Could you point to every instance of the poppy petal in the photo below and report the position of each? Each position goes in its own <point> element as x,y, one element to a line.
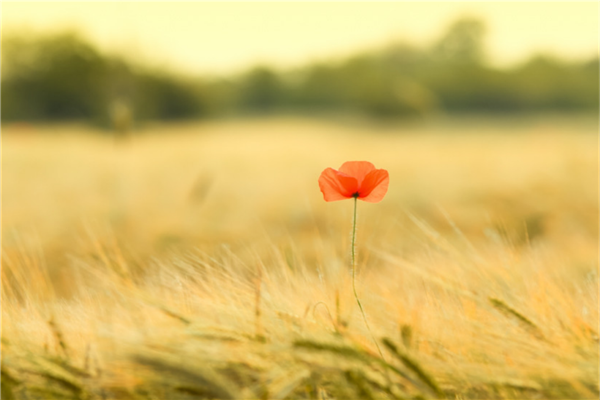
<point>357,169</point>
<point>374,186</point>
<point>337,186</point>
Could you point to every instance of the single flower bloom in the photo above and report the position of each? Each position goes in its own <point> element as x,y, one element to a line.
<point>355,179</point>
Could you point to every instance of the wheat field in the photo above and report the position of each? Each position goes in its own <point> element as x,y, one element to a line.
<point>199,261</point>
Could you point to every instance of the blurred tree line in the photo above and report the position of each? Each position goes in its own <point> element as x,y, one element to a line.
<point>63,77</point>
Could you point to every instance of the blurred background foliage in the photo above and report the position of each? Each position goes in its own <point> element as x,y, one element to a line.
<point>63,77</point>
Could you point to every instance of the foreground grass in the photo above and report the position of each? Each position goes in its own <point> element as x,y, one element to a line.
<point>205,265</point>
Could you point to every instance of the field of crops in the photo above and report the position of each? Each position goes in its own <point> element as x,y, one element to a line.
<point>193,261</point>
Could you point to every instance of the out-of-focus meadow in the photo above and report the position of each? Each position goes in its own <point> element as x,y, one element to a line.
<point>200,258</point>
<point>164,237</point>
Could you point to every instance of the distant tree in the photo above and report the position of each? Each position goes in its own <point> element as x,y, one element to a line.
<point>161,96</point>
<point>62,77</point>
<point>458,75</point>
<point>318,87</point>
<point>462,43</point>
<point>260,90</point>
<point>545,82</point>
<point>59,77</point>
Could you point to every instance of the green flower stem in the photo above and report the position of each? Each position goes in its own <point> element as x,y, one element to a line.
<point>353,258</point>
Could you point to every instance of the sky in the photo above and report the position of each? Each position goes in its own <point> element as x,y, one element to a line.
<point>227,37</point>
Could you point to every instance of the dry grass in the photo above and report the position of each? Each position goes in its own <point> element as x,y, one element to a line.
<point>200,261</point>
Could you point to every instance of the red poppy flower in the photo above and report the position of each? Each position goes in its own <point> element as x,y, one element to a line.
<point>358,179</point>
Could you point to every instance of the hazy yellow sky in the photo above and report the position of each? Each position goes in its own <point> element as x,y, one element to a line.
<point>223,37</point>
